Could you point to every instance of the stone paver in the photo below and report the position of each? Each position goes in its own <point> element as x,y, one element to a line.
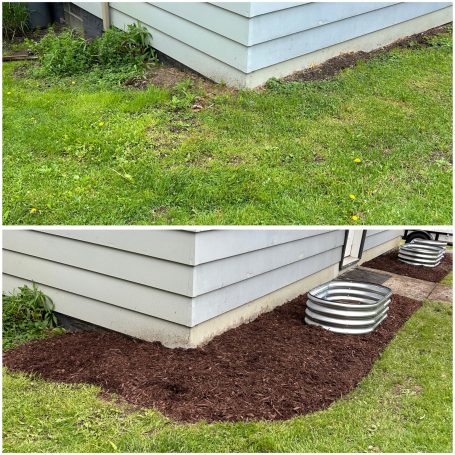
<point>410,287</point>
<point>442,293</point>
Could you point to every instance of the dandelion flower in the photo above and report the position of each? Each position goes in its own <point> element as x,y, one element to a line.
<point>352,196</point>
<point>33,210</point>
<point>8,93</point>
<point>355,217</point>
<point>357,160</point>
<point>101,124</point>
<point>73,82</point>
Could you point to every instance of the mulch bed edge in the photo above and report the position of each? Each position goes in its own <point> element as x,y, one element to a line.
<point>273,368</point>
<point>389,262</point>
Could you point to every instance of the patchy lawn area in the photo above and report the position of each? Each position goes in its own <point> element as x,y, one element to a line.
<point>83,151</point>
<point>403,405</point>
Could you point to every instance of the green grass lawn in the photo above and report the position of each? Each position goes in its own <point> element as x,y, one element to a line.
<point>79,151</point>
<point>403,405</point>
<point>448,280</point>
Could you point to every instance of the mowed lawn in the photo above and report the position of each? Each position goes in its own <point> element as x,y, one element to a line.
<point>77,152</point>
<point>403,405</point>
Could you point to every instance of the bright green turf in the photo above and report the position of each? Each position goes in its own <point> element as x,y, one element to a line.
<point>448,279</point>
<point>279,156</point>
<point>404,405</point>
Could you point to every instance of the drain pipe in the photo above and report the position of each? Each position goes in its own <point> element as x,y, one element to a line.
<point>106,16</point>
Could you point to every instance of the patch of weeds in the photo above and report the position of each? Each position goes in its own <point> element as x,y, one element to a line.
<point>15,17</point>
<point>116,55</point>
<point>182,97</point>
<point>27,314</point>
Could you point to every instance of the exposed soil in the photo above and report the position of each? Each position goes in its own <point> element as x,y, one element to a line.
<point>274,368</point>
<point>168,75</point>
<point>389,262</point>
<point>332,67</point>
<point>171,72</point>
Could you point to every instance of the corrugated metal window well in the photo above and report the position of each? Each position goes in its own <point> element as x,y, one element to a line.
<point>427,253</point>
<point>348,307</point>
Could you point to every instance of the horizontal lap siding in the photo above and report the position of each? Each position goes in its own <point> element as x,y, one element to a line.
<point>115,267</point>
<point>228,41</point>
<point>96,286</point>
<point>251,9</point>
<point>228,298</point>
<point>175,245</point>
<point>211,17</point>
<point>318,37</point>
<point>264,28</point>
<point>108,316</point>
<point>377,237</point>
<point>229,282</point>
<point>123,265</point>
<point>199,38</point>
<point>219,244</point>
<point>228,270</point>
<point>85,270</point>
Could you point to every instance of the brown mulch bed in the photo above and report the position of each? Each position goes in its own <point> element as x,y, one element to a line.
<point>332,67</point>
<point>274,368</point>
<point>389,262</point>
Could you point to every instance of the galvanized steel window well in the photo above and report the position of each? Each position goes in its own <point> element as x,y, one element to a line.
<point>348,307</point>
<point>427,253</point>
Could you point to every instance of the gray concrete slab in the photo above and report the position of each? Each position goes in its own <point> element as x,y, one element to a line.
<point>410,287</point>
<point>442,293</point>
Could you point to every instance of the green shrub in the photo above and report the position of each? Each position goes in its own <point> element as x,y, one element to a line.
<point>27,314</point>
<point>69,53</point>
<point>15,19</point>
<point>63,54</point>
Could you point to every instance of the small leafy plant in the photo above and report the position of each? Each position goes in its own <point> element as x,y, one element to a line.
<point>27,313</point>
<point>15,19</point>
<point>182,97</point>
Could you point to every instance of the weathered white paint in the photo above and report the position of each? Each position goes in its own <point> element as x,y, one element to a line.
<point>110,290</point>
<point>244,44</point>
<point>161,274</point>
<point>175,245</point>
<point>377,237</point>
<point>219,244</point>
<point>229,270</point>
<point>213,304</point>
<point>365,43</point>
<point>102,275</point>
<point>110,316</point>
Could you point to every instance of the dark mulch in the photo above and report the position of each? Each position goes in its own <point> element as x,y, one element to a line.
<point>273,368</point>
<point>332,67</point>
<point>389,262</point>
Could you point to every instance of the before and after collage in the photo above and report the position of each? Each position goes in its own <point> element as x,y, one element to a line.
<point>227,227</point>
